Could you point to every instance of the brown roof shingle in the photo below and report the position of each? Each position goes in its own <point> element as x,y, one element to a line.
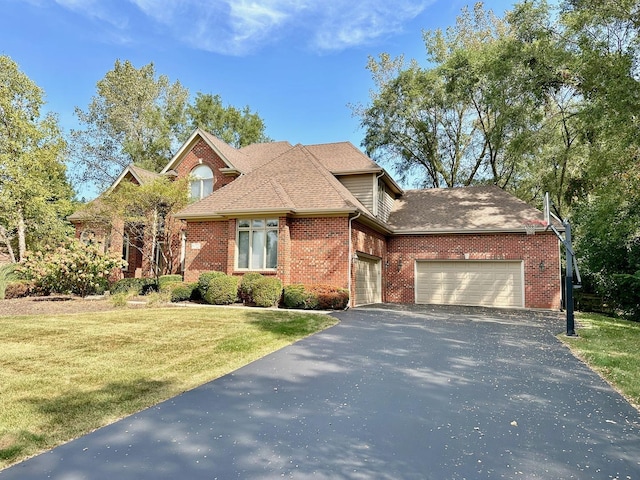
<point>342,157</point>
<point>465,209</point>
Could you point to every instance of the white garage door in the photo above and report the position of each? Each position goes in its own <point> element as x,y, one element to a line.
<point>485,283</point>
<point>368,281</point>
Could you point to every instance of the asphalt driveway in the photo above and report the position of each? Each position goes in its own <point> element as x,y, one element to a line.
<point>409,393</point>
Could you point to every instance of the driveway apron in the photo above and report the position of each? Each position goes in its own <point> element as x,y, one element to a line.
<point>389,393</point>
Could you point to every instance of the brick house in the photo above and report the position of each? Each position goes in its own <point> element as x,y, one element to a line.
<point>327,214</point>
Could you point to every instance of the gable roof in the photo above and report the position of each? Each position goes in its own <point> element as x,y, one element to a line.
<point>481,209</point>
<point>343,157</point>
<point>295,182</point>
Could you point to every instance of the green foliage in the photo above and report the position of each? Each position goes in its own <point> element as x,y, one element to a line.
<point>165,280</point>
<point>180,291</point>
<point>266,291</point>
<point>315,297</point>
<point>125,285</point>
<point>72,267</point>
<point>34,192</point>
<point>204,279</point>
<point>6,275</point>
<point>19,289</point>
<point>222,290</point>
<point>246,286</point>
<point>626,294</point>
<point>238,128</point>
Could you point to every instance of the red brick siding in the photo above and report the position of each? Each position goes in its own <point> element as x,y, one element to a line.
<point>542,285</point>
<point>213,252</point>
<point>202,151</point>
<point>319,251</point>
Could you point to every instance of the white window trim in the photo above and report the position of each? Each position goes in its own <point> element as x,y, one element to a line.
<point>200,181</point>
<point>251,229</point>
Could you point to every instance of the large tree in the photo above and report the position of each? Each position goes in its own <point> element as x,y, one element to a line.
<point>34,192</point>
<point>236,127</point>
<point>136,117</point>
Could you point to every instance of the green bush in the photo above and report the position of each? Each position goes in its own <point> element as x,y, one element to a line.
<point>296,296</point>
<point>72,267</point>
<point>7,274</point>
<point>222,290</point>
<point>266,291</point>
<point>180,291</point>
<point>246,286</point>
<point>127,285</point>
<point>164,280</point>
<point>626,292</point>
<point>19,289</point>
<point>315,297</point>
<point>204,279</point>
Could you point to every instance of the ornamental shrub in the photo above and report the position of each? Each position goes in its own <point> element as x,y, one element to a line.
<point>126,285</point>
<point>204,279</point>
<point>222,290</point>
<point>164,280</point>
<point>19,289</point>
<point>180,291</point>
<point>246,286</point>
<point>72,267</point>
<point>315,297</point>
<point>266,291</point>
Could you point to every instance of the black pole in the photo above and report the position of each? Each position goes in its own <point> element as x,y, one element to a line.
<point>569,280</point>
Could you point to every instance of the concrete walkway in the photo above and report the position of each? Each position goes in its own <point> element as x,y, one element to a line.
<point>411,393</point>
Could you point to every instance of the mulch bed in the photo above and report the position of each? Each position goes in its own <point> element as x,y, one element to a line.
<point>54,304</point>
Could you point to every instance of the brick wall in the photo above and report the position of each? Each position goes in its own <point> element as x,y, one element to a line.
<point>207,248</point>
<point>201,153</point>
<point>539,252</point>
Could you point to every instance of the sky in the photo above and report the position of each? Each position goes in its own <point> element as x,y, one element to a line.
<point>298,64</point>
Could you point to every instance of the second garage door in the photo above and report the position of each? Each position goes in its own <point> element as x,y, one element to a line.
<point>483,283</point>
<point>368,280</point>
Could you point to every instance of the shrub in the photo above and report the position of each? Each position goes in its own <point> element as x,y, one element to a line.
<point>19,289</point>
<point>626,294</point>
<point>204,279</point>
<point>266,291</point>
<point>6,275</point>
<point>246,286</point>
<point>164,280</point>
<point>127,285</point>
<point>180,291</point>
<point>72,267</point>
<point>315,297</point>
<point>222,290</point>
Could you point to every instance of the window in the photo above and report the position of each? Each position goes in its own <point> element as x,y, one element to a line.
<point>125,250</point>
<point>201,182</point>
<point>257,244</point>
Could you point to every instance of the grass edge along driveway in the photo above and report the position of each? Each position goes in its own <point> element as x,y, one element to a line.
<point>610,347</point>
<point>64,376</point>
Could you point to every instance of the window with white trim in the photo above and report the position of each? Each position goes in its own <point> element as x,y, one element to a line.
<point>201,182</point>
<point>257,244</point>
<point>125,250</point>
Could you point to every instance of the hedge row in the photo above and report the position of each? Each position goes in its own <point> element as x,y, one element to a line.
<point>315,297</point>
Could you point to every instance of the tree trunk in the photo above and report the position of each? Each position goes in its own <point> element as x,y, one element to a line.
<point>4,237</point>
<point>22,238</point>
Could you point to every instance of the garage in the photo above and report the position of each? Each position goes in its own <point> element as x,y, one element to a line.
<point>481,283</point>
<point>368,280</point>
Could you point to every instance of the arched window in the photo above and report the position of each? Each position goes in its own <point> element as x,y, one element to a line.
<point>201,182</point>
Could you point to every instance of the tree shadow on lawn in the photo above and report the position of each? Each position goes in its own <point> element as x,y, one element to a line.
<point>80,411</point>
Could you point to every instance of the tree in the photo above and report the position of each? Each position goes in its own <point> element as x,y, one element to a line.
<point>143,215</point>
<point>236,127</point>
<point>34,192</point>
<point>136,117</point>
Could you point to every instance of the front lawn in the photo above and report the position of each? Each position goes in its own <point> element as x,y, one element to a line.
<point>611,347</point>
<point>63,376</point>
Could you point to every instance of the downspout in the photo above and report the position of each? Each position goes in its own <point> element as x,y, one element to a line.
<point>350,258</point>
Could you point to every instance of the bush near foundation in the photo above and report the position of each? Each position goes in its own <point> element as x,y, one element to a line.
<point>180,291</point>
<point>222,290</point>
<point>315,297</point>
<point>141,286</point>
<point>164,280</point>
<point>247,284</point>
<point>266,291</point>
<point>204,279</point>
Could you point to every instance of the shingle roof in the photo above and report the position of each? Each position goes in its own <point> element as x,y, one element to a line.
<point>141,175</point>
<point>456,210</point>
<point>342,157</point>
<point>261,153</point>
<point>292,182</point>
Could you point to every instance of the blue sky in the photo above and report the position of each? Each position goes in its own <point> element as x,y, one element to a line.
<point>297,63</point>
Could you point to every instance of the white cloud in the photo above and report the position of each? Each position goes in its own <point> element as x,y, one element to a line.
<point>239,27</point>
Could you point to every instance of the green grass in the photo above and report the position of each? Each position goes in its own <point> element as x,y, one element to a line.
<point>612,348</point>
<point>63,376</point>
<point>6,275</point>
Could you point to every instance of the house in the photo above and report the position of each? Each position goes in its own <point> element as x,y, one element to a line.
<point>327,214</point>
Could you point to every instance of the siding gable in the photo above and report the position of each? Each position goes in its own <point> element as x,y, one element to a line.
<point>361,186</point>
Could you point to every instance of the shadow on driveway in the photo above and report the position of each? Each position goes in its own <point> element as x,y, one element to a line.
<point>411,392</point>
